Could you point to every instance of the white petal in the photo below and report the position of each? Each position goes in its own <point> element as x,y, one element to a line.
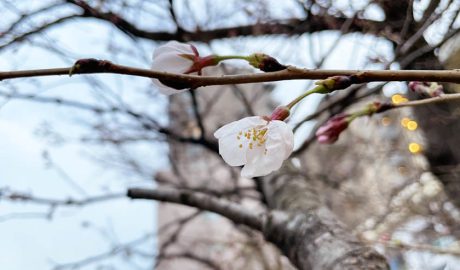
<point>260,164</point>
<point>167,58</point>
<point>230,151</point>
<point>171,62</point>
<point>280,133</point>
<point>229,144</point>
<point>278,146</point>
<point>240,125</point>
<point>173,46</point>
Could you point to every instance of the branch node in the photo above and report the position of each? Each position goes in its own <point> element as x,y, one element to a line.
<point>90,65</point>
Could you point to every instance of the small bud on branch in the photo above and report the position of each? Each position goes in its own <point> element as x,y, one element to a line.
<point>329,133</point>
<point>265,62</point>
<point>335,83</point>
<point>91,65</point>
<point>427,89</point>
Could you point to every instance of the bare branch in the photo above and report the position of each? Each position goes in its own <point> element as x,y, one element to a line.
<point>93,66</point>
<point>126,247</point>
<point>37,30</point>
<point>24,197</point>
<point>293,26</point>
<point>230,210</point>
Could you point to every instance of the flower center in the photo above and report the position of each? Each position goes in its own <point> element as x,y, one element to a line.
<point>252,138</point>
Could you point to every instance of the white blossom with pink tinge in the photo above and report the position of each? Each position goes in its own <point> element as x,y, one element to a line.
<point>168,58</point>
<point>257,143</point>
<point>179,58</point>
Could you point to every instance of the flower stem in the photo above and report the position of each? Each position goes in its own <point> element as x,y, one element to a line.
<point>356,115</point>
<point>219,58</point>
<point>317,89</point>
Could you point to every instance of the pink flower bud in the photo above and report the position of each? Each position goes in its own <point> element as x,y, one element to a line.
<point>330,131</point>
<point>280,113</point>
<point>430,89</point>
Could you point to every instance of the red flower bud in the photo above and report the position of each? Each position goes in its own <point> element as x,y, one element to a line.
<point>330,131</point>
<point>280,113</point>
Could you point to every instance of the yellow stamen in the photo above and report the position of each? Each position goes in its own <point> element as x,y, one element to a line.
<point>255,137</point>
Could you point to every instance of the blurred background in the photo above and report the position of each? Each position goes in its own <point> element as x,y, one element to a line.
<point>71,147</point>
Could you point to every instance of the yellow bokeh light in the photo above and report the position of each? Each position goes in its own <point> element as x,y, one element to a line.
<point>398,98</point>
<point>415,148</point>
<point>404,121</point>
<point>386,121</point>
<point>412,125</point>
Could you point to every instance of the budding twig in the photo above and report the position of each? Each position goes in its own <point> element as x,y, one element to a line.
<point>331,130</point>
<point>433,100</point>
<point>93,66</point>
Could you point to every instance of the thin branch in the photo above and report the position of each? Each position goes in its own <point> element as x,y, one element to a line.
<point>196,112</point>
<point>417,35</point>
<point>228,209</point>
<point>147,122</point>
<point>127,247</point>
<point>328,106</point>
<point>173,237</point>
<point>433,100</point>
<point>292,26</point>
<point>17,196</point>
<point>411,57</point>
<point>37,30</point>
<point>93,66</point>
<point>26,16</point>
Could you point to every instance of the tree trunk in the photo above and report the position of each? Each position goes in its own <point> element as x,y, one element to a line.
<point>308,233</point>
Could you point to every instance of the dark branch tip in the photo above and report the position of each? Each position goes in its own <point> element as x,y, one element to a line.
<point>130,194</point>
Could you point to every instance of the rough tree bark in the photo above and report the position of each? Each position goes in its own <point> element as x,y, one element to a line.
<point>313,237</point>
<point>307,233</point>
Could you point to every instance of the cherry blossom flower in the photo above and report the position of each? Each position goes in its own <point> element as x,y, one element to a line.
<point>256,142</point>
<point>175,57</point>
<point>329,132</point>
